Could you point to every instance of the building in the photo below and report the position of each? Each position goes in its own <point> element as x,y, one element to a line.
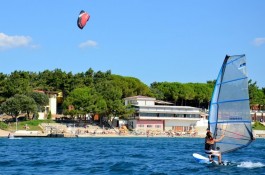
<point>153,115</point>
<point>52,102</point>
<point>51,107</point>
<point>257,115</point>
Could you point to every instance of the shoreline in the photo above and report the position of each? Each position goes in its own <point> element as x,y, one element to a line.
<point>133,136</point>
<point>4,134</point>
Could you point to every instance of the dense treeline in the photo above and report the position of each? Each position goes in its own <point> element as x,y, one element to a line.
<point>189,94</point>
<point>88,92</point>
<point>99,92</point>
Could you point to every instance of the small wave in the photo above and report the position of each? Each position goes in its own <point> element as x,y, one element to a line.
<point>251,165</point>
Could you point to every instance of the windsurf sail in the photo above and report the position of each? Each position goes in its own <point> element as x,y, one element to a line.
<point>229,109</point>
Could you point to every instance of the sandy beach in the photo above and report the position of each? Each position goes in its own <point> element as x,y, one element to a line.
<point>3,133</point>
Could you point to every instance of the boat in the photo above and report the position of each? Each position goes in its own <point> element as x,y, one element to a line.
<point>229,113</point>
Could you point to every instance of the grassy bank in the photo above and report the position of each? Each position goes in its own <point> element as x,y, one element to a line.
<point>258,126</point>
<point>31,125</point>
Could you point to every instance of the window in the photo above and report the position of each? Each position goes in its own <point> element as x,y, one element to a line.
<point>148,115</point>
<point>166,115</point>
<point>149,126</point>
<point>179,115</point>
<point>192,115</point>
<point>157,126</point>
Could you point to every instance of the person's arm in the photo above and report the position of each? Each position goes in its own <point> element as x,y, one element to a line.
<point>217,140</point>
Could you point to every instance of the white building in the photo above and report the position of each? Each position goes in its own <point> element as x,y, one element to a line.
<point>149,116</point>
<point>52,103</point>
<point>52,107</point>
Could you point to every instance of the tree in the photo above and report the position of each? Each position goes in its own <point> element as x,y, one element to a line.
<point>112,95</point>
<point>11,107</point>
<point>85,100</point>
<point>183,94</point>
<point>203,93</point>
<point>26,104</point>
<point>17,104</point>
<point>186,93</point>
<point>17,83</point>
<point>255,94</point>
<point>169,91</point>
<point>41,100</point>
<point>2,85</point>
<point>130,86</point>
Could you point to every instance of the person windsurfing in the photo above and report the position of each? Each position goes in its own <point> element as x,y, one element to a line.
<point>210,147</point>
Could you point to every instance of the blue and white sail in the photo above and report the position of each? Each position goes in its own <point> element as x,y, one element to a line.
<point>229,110</point>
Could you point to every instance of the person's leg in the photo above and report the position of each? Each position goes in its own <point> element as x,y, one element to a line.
<point>218,154</point>
<point>210,158</point>
<point>220,159</point>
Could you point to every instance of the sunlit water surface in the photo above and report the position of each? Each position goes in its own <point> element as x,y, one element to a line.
<point>35,156</point>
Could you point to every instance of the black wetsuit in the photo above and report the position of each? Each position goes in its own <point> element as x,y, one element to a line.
<point>208,147</point>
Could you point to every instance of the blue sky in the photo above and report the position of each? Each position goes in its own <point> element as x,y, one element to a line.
<point>152,40</point>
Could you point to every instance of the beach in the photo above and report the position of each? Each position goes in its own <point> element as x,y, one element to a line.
<point>3,133</point>
<point>68,130</point>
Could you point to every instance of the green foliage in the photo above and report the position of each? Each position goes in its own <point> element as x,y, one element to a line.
<point>27,104</point>
<point>33,125</point>
<point>18,82</point>
<point>40,99</point>
<point>105,95</point>
<point>186,93</point>
<point>256,95</point>
<point>84,100</point>
<point>3,126</point>
<point>203,92</point>
<point>11,107</point>
<point>167,91</point>
<point>183,94</point>
<point>49,116</point>
<point>19,103</point>
<point>130,86</point>
<point>258,126</point>
<point>35,122</point>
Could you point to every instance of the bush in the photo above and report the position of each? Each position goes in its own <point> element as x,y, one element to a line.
<point>3,126</point>
<point>49,115</point>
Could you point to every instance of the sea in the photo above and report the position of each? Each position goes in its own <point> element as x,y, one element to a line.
<point>118,156</point>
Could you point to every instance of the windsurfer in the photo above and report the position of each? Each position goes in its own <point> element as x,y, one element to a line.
<point>210,147</point>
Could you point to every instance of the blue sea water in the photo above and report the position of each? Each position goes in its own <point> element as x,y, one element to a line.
<point>132,156</point>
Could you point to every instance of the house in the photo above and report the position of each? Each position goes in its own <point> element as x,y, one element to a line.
<point>153,115</point>
<point>52,106</point>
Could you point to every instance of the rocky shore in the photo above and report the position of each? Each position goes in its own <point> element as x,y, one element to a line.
<point>56,130</point>
<point>257,134</point>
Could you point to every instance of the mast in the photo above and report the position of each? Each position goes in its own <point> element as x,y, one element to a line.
<point>221,79</point>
